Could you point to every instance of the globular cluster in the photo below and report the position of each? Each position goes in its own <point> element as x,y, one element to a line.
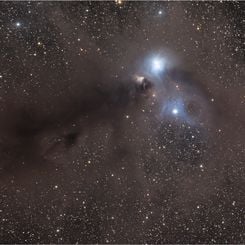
<point>122,122</point>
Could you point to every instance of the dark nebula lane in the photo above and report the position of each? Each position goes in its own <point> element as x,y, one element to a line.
<point>122,122</point>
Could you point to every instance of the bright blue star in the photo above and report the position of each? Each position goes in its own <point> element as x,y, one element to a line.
<point>154,67</point>
<point>157,65</point>
<point>175,111</point>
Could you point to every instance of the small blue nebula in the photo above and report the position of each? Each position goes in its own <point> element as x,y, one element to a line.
<point>157,64</point>
<point>176,109</point>
<point>154,67</point>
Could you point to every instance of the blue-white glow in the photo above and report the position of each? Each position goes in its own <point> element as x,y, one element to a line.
<point>175,111</point>
<point>157,65</point>
<point>174,107</point>
<point>18,24</point>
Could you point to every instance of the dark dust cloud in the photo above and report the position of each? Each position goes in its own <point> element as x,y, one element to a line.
<point>122,122</point>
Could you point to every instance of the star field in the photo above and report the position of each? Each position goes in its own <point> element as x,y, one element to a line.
<point>122,122</point>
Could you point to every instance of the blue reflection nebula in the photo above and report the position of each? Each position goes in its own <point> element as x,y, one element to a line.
<point>154,67</point>
<point>157,64</point>
<point>176,109</point>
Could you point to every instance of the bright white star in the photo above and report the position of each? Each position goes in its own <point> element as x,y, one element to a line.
<point>18,24</point>
<point>175,111</point>
<point>157,64</point>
